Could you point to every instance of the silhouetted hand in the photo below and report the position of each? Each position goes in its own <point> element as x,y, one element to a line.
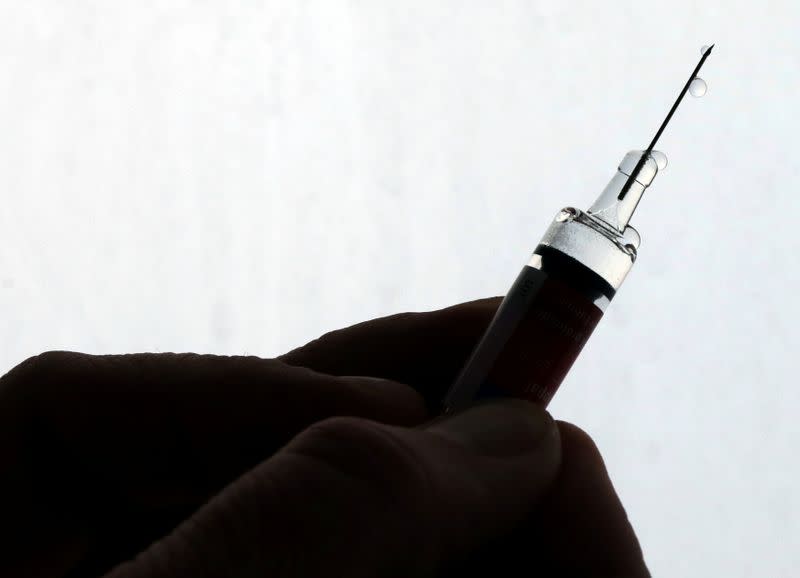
<point>324,462</point>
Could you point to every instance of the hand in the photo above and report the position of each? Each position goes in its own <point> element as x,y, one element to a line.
<point>102,456</point>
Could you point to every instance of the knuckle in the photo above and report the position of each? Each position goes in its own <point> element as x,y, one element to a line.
<point>43,389</point>
<point>369,453</point>
<point>43,365</point>
<point>375,473</point>
<point>345,439</point>
<point>374,325</point>
<point>33,378</point>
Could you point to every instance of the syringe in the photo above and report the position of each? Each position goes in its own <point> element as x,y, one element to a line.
<point>560,295</point>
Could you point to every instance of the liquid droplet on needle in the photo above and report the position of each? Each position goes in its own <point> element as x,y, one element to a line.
<point>704,48</point>
<point>660,158</point>
<point>698,87</point>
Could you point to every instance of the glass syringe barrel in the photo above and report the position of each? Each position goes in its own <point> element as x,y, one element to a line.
<point>558,298</point>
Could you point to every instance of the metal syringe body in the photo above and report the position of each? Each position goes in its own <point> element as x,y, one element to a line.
<point>559,296</point>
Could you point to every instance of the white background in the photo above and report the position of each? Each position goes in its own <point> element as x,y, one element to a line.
<point>238,177</point>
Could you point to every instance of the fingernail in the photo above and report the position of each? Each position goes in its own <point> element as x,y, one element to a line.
<point>499,428</point>
<point>372,383</point>
<point>367,379</point>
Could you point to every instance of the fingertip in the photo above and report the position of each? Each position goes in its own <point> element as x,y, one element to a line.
<point>586,514</point>
<point>579,444</point>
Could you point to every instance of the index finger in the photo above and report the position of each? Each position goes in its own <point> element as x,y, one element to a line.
<point>425,350</point>
<point>100,454</point>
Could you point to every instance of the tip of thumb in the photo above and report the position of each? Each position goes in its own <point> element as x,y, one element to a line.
<point>499,460</point>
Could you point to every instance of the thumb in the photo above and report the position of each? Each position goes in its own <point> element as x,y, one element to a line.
<point>352,497</point>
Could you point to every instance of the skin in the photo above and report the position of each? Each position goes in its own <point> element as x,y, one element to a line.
<point>329,460</point>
